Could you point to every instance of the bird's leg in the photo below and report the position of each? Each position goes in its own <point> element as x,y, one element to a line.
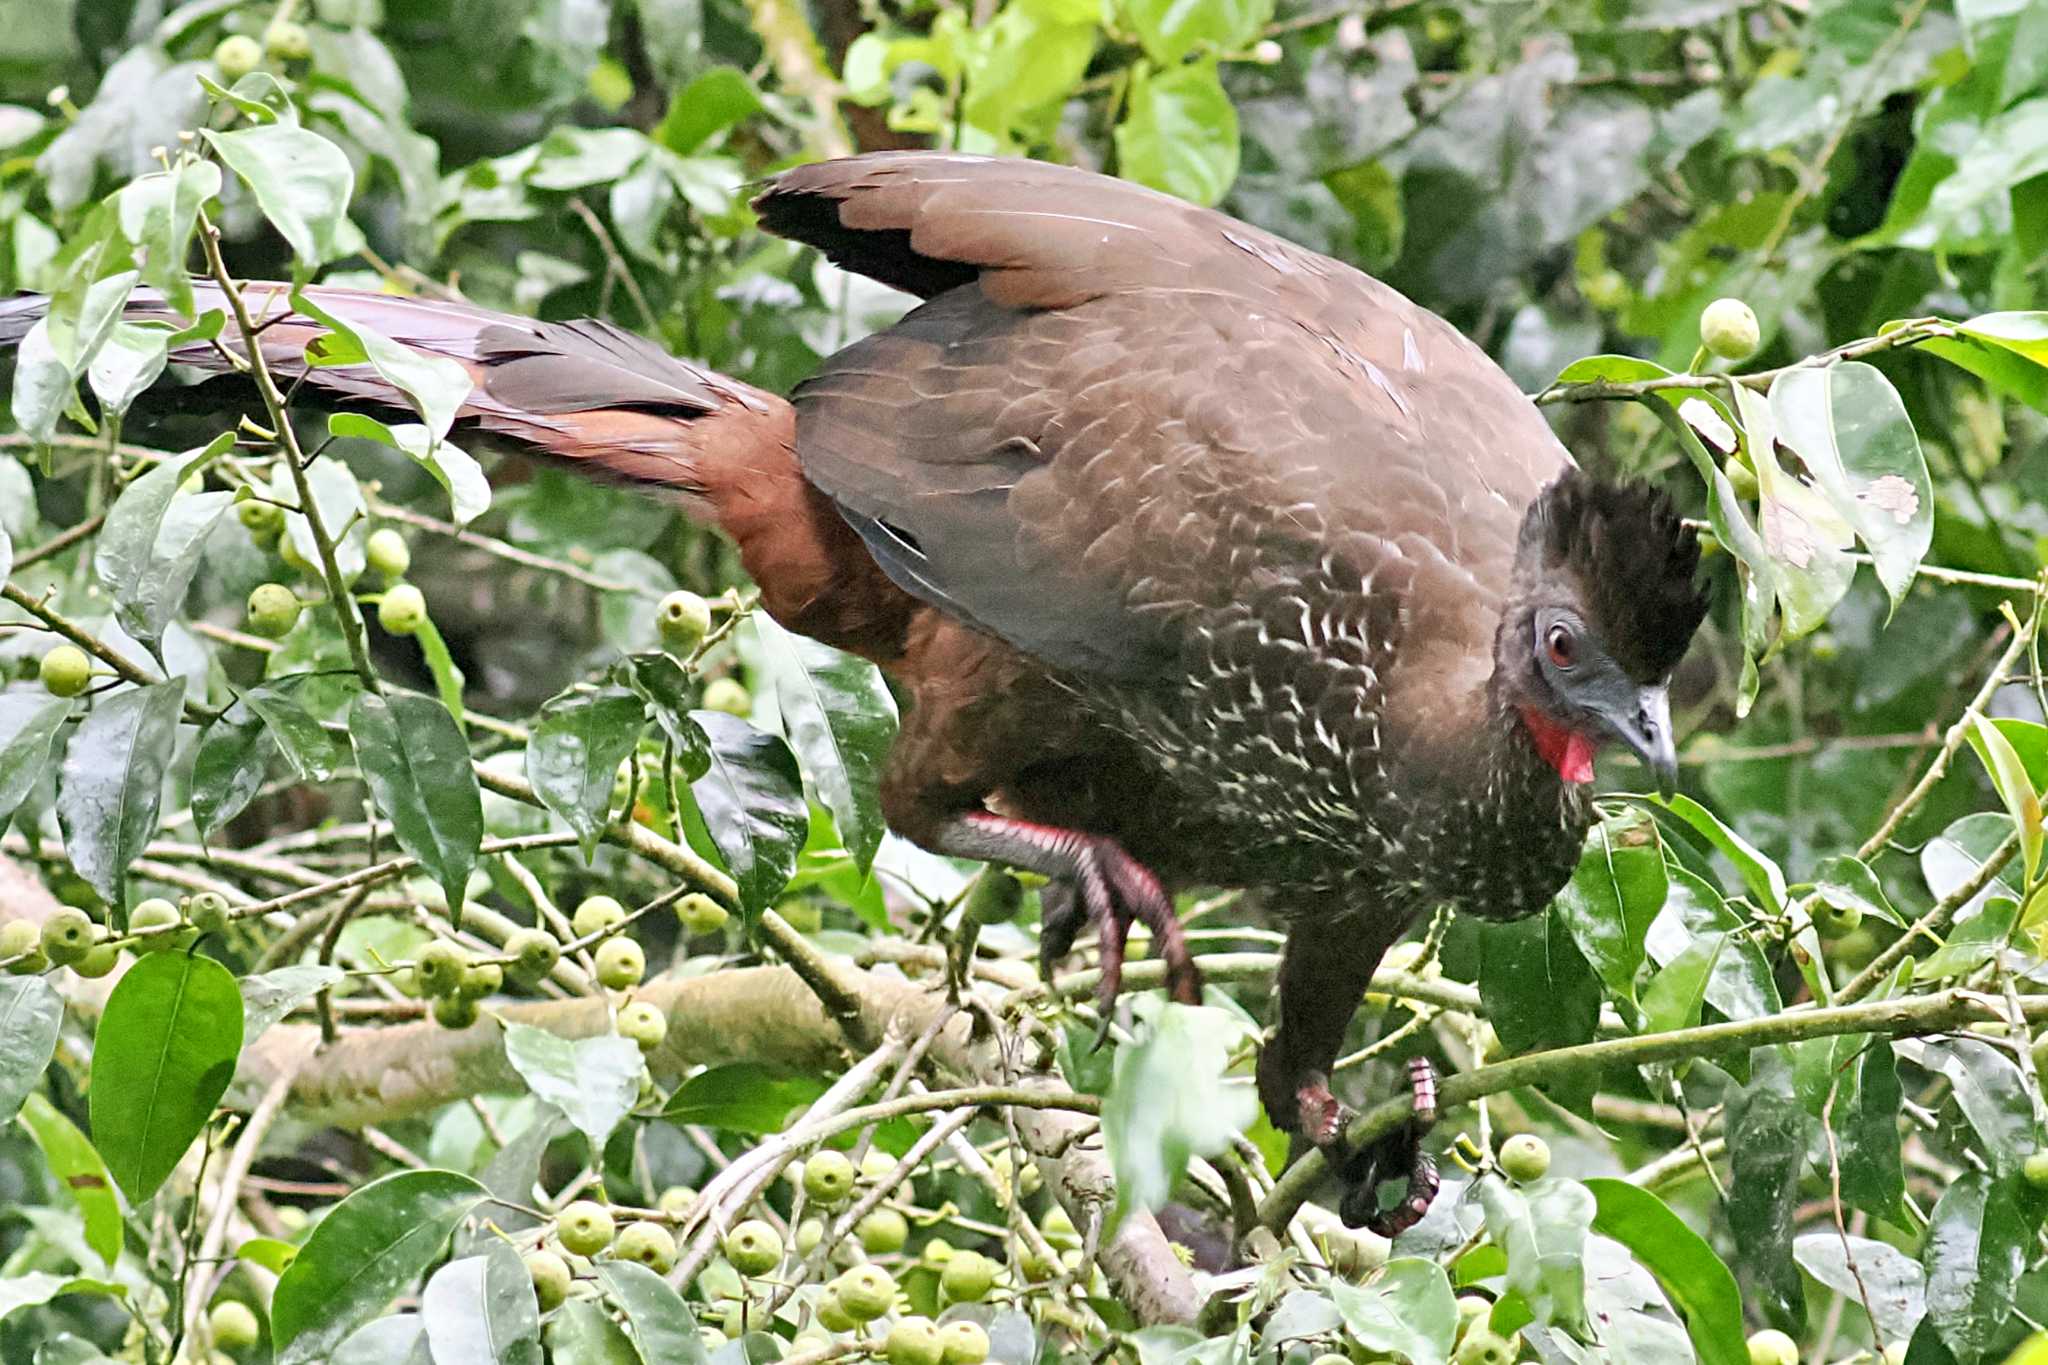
<point>1399,1153</point>
<point>1091,878</point>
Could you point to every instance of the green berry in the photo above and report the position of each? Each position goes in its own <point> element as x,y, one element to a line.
<point>699,914</point>
<point>438,968</point>
<point>1772,1347</point>
<point>968,1277</point>
<point>729,696</point>
<point>620,963</point>
<point>2036,1170</point>
<point>644,1024</point>
<point>675,1201</point>
<point>66,671</point>
<point>1483,1347</point>
<point>866,1292</point>
<point>208,912</point>
<point>534,953</point>
<point>264,520</point>
<point>585,1227</point>
<point>809,1233</point>
<point>883,1232</point>
<point>551,1278</point>
<point>651,1244</point>
<point>1836,921</point>
<point>936,1252</point>
<point>966,1342</point>
<point>596,914</point>
<point>738,1317</point>
<point>1331,1358</point>
<point>402,610</point>
<point>995,898</point>
<point>1729,329</point>
<point>480,979</point>
<point>68,936</point>
<point>1741,477</point>
<point>154,913</point>
<point>914,1341</point>
<point>454,1011</point>
<point>98,961</point>
<point>754,1247</point>
<point>388,554</point>
<point>23,939</point>
<point>233,1325</point>
<point>1059,1229</point>
<point>683,619</point>
<point>832,1314</point>
<point>828,1179</point>
<point>236,56</point>
<point>273,611</point>
<point>1525,1157</point>
<point>288,42</point>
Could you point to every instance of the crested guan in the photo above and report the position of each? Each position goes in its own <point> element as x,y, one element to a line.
<point>1202,558</point>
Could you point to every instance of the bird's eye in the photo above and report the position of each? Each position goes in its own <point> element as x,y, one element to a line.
<point>1561,645</point>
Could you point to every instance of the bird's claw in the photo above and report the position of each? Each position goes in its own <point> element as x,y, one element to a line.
<point>1113,890</point>
<point>1398,1153</point>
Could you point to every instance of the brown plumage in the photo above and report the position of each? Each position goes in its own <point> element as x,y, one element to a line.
<point>1204,559</point>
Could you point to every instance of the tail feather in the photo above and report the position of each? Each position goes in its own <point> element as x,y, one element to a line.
<point>603,400</point>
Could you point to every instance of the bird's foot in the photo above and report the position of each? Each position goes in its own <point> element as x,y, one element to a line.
<point>1090,878</point>
<point>1398,1153</point>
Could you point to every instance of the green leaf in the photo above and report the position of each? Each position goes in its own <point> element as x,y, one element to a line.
<point>417,765</point>
<point>301,181</point>
<point>339,499</point>
<point>1698,1282</point>
<point>158,213</point>
<point>481,1310</point>
<point>665,686</point>
<point>469,492</point>
<point>1973,1254</point>
<point>162,1057</point>
<point>581,1332</point>
<point>1742,984</point>
<point>385,1341</point>
<point>656,1315</point>
<point>372,1247</point>
<point>1865,1120</point>
<point>841,720</point>
<point>593,1081</point>
<point>1763,877</point>
<point>1407,1309</point>
<point>573,757</point>
<point>1846,882</point>
<point>32,1288</point>
<point>80,1171</point>
<point>228,771</point>
<point>1676,993</point>
<point>2008,369</point>
<point>448,678</point>
<point>269,996</point>
<point>1849,425</point>
<point>111,784</point>
<point>1179,133</point>
<point>1613,897</point>
<point>149,548</point>
<point>31,1014</point>
<point>1895,1285</point>
<point>1171,29</point>
<point>1542,1227</point>
<point>1538,992</point>
<point>2015,787</point>
<point>1807,538</point>
<point>1976,941</point>
<point>131,360</point>
<point>57,350</point>
<point>752,798</point>
<point>1170,1099</point>
<point>304,742</point>
<point>1990,1090</point>
<point>1767,1137</point>
<point>742,1097</point>
<point>28,726</point>
<point>716,100</point>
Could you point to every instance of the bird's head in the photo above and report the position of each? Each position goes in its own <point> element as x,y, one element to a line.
<point>1602,608</point>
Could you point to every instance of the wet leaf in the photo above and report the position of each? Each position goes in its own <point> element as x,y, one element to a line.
<point>841,720</point>
<point>149,548</point>
<point>573,758</point>
<point>1698,1281</point>
<point>1767,1137</point>
<point>593,1081</point>
<point>111,785</point>
<point>228,771</point>
<point>417,765</point>
<point>1974,1253</point>
<point>1539,993</point>
<point>28,727</point>
<point>752,799</point>
<point>31,1013</point>
<point>269,996</point>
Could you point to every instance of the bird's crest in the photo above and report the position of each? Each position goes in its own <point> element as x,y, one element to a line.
<point>1632,560</point>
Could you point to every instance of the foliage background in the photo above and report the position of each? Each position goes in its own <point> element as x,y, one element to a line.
<point>1561,179</point>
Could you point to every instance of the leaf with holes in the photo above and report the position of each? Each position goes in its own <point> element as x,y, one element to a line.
<point>82,1173</point>
<point>840,719</point>
<point>110,787</point>
<point>752,800</point>
<point>417,765</point>
<point>1808,538</point>
<point>162,1057</point>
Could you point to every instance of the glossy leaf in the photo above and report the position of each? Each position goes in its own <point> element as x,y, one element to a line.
<point>1953,858</point>
<point>742,1097</point>
<point>1169,1101</point>
<point>159,212</point>
<point>574,754</point>
<point>149,548</point>
<point>841,720</point>
<point>1741,984</point>
<point>2006,350</point>
<point>481,1310</point>
<point>665,686</point>
<point>80,1171</point>
<point>1538,991</point>
<point>1845,882</point>
<point>1974,942</point>
<point>370,1248</point>
<point>1974,1252</point>
<point>339,499</point>
<point>455,469</point>
<point>752,799</point>
<point>1675,994</point>
<point>1542,1227</point>
<point>302,183</point>
<point>1763,877</point>
<point>32,1288</point>
<point>31,1015</point>
<point>110,785</point>
<point>1849,427</point>
<point>1171,30</point>
<point>1698,1281</point>
<point>593,1081</point>
<point>417,765</point>
<point>1895,1284</point>
<point>269,996</point>
<point>581,1333</point>
<point>656,1316</point>
<point>1407,1309</point>
<point>1866,1123</point>
<point>28,726</point>
<point>435,385</point>
<point>2015,787</point>
<point>1990,1090</point>
<point>1180,132</point>
<point>162,1057</point>
<point>400,1339</point>
<point>57,349</point>
<point>303,741</point>
<point>1767,1137</point>
<point>1614,894</point>
<point>228,771</point>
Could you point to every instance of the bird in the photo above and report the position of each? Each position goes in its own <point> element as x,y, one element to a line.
<point>1200,560</point>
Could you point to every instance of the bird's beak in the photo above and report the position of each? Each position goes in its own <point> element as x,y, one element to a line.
<point>1642,721</point>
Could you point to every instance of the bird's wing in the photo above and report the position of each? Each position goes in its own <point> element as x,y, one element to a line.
<point>1116,409</point>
